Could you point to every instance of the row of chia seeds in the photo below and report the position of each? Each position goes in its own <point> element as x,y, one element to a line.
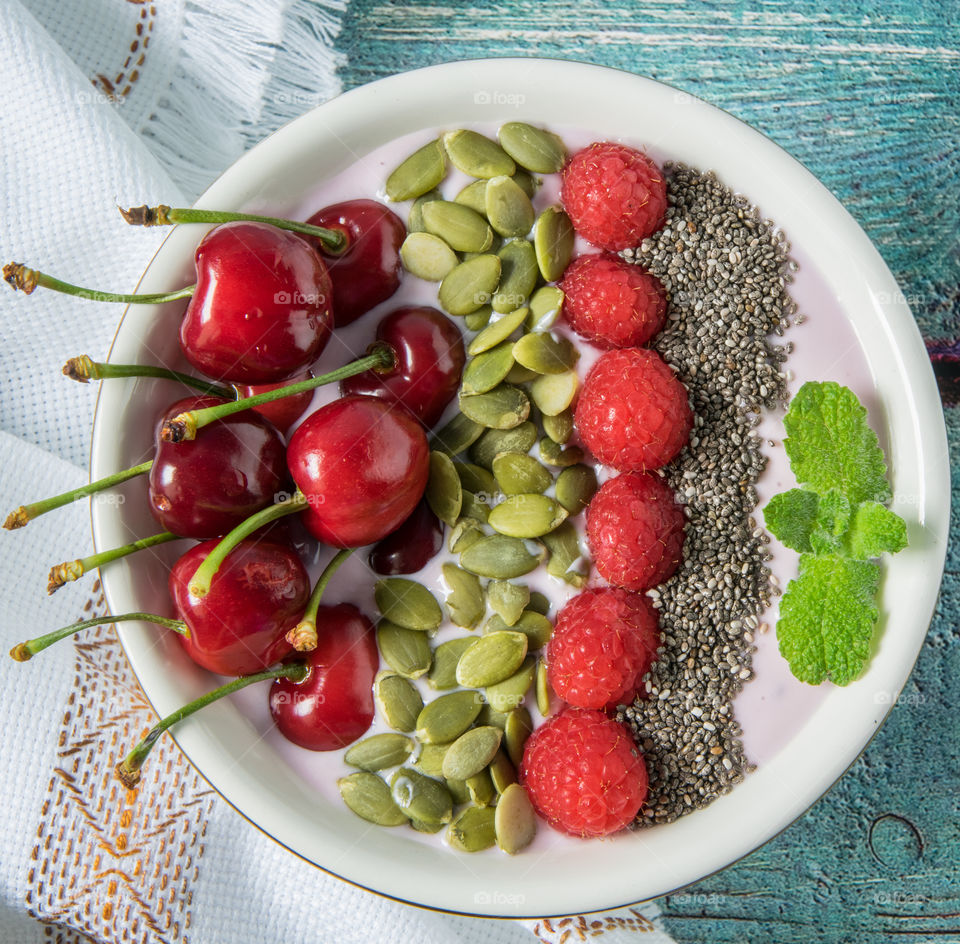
<point>726,272</point>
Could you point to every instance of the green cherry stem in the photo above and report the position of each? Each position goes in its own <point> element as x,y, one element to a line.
<point>26,513</point>
<point>199,585</point>
<point>303,636</point>
<point>334,241</point>
<point>184,426</point>
<point>75,569</point>
<point>83,369</point>
<point>20,278</point>
<point>24,651</point>
<point>128,770</point>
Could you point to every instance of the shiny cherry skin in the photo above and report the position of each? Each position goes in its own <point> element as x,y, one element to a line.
<point>367,272</point>
<point>362,465</point>
<point>285,412</point>
<point>333,705</point>
<point>258,595</point>
<point>207,486</point>
<point>416,542</point>
<point>261,311</point>
<point>430,358</point>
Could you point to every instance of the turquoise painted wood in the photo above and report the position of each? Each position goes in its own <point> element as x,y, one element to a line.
<point>866,95</point>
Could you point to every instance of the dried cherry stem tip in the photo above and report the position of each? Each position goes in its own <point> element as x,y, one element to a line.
<point>75,569</point>
<point>83,369</point>
<point>303,636</point>
<point>334,241</point>
<point>20,278</point>
<point>128,770</point>
<point>26,650</point>
<point>184,427</point>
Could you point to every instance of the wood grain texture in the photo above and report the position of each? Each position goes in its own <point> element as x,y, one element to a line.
<point>866,95</point>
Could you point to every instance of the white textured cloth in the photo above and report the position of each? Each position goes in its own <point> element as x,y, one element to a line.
<point>135,102</point>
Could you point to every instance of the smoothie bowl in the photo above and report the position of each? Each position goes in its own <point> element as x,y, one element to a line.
<point>734,747</point>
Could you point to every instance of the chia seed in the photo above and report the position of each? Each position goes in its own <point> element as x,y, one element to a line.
<point>725,270</point>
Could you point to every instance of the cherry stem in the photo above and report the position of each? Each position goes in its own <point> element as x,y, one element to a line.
<point>84,369</point>
<point>334,241</point>
<point>184,426</point>
<point>128,770</point>
<point>26,513</point>
<point>26,650</point>
<point>19,277</point>
<point>75,569</point>
<point>303,636</point>
<point>199,585</point>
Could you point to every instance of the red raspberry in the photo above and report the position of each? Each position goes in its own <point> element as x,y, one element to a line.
<point>602,645</point>
<point>633,413</point>
<point>583,773</point>
<point>635,531</point>
<point>611,302</point>
<point>614,195</point>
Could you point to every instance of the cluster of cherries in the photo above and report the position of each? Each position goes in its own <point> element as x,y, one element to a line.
<point>268,294</point>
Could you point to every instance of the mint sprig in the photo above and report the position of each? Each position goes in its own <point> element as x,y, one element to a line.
<point>839,523</point>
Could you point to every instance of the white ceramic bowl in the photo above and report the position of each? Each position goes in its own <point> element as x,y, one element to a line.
<point>569,876</point>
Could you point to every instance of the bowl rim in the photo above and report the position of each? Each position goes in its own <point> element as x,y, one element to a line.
<point>936,472</point>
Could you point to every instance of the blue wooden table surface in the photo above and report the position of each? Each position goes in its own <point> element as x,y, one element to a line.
<point>866,95</point>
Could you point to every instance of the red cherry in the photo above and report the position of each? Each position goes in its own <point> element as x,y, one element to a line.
<point>368,271</point>
<point>207,486</point>
<point>261,309</point>
<point>411,546</point>
<point>430,359</point>
<point>258,595</point>
<point>282,413</point>
<point>362,466</point>
<point>333,705</point>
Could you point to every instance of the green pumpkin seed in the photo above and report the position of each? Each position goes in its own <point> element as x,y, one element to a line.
<point>514,820</point>
<point>576,485</point>
<point>490,716</point>
<point>477,155</point>
<point>427,256</point>
<point>561,456</point>
<point>504,407</point>
<point>553,238</point>
<point>487,370</point>
<point>443,672</point>
<point>526,182</point>
<point>465,532</point>
<point>421,798</point>
<point>465,600</point>
<point>370,798</point>
<point>459,434</point>
<point>445,718</point>
<point>474,196</point>
<point>398,700</point>
<point>507,600</point>
<point>475,507</point>
<point>494,658</point>
<point>535,626</point>
<point>476,479</point>
<point>430,759</point>
<point>458,226</point>
<point>546,303</point>
<point>520,374</point>
<point>406,651</point>
<point>501,557</point>
<point>470,285</point>
<point>508,694</point>
<point>424,827</point>
<point>408,603</point>
<point>444,493</point>
<point>543,689</point>
<point>496,332</point>
<point>458,790</point>
<point>415,219</point>
<point>539,603</point>
<point>529,515</point>
<point>533,148</point>
<point>473,830</point>
<point>518,473</point>
<point>501,772</point>
<point>480,789</point>
<point>521,438</point>
<point>420,172</point>
<point>545,354</point>
<point>519,728</point>
<point>508,208</point>
<point>518,276</point>
<point>478,320</point>
<point>470,753</point>
<point>565,555</point>
<point>553,393</point>
<point>379,751</point>
<point>560,427</point>
<point>495,243</point>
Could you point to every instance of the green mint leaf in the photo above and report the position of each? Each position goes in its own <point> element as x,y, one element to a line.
<point>790,517</point>
<point>873,530</point>
<point>828,616</point>
<point>833,519</point>
<point>830,444</point>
